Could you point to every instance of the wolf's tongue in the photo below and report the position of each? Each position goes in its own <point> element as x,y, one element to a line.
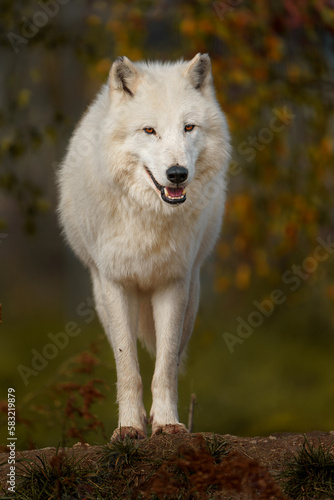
<point>177,192</point>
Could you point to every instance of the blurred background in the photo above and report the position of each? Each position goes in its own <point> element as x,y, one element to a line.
<point>261,356</point>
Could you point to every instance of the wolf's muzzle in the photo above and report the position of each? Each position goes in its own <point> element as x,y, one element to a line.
<point>172,195</point>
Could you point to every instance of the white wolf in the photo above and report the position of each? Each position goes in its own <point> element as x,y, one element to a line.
<point>142,194</point>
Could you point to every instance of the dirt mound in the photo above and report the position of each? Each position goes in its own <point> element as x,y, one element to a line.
<point>190,466</point>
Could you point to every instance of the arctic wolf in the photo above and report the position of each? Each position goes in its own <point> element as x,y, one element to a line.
<point>142,193</point>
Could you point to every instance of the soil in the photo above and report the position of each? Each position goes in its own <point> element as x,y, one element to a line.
<point>252,460</point>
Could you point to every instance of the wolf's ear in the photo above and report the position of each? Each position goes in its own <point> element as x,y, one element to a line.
<point>198,71</point>
<point>123,76</point>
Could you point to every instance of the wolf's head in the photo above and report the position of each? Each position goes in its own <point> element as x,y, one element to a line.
<point>167,131</point>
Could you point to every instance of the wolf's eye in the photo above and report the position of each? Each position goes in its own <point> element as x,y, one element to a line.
<point>189,128</point>
<point>149,130</point>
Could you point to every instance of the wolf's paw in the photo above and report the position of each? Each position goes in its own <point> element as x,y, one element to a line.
<point>121,433</point>
<point>170,429</point>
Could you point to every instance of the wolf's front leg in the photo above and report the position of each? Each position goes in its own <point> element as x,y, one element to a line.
<point>169,304</point>
<point>118,310</point>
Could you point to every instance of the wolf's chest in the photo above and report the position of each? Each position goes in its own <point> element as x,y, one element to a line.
<point>148,252</point>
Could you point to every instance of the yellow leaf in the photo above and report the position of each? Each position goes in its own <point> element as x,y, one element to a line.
<point>242,277</point>
<point>188,26</point>
<point>222,283</point>
<point>239,243</point>
<point>274,47</point>
<point>103,66</point>
<point>261,263</point>
<point>24,98</point>
<point>93,20</point>
<point>242,205</point>
<point>327,145</point>
<point>237,75</point>
<point>294,72</point>
<point>205,26</point>
<point>223,250</point>
<point>330,292</point>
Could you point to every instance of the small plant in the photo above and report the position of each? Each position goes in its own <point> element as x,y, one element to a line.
<point>121,452</point>
<point>78,419</point>
<point>218,448</point>
<point>62,477</point>
<point>309,475</point>
<point>65,407</point>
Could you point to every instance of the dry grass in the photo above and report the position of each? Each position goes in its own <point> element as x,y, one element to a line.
<point>309,474</point>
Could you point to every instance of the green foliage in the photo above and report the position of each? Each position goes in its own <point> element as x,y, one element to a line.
<point>309,475</point>
<point>218,448</point>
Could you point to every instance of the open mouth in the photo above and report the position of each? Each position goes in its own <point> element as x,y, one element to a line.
<point>172,195</point>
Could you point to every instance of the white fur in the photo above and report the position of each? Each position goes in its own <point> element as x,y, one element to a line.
<point>144,254</point>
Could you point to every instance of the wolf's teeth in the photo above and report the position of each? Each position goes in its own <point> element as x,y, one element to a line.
<point>174,197</point>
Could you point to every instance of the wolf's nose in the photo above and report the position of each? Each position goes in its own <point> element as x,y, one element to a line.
<point>177,174</point>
